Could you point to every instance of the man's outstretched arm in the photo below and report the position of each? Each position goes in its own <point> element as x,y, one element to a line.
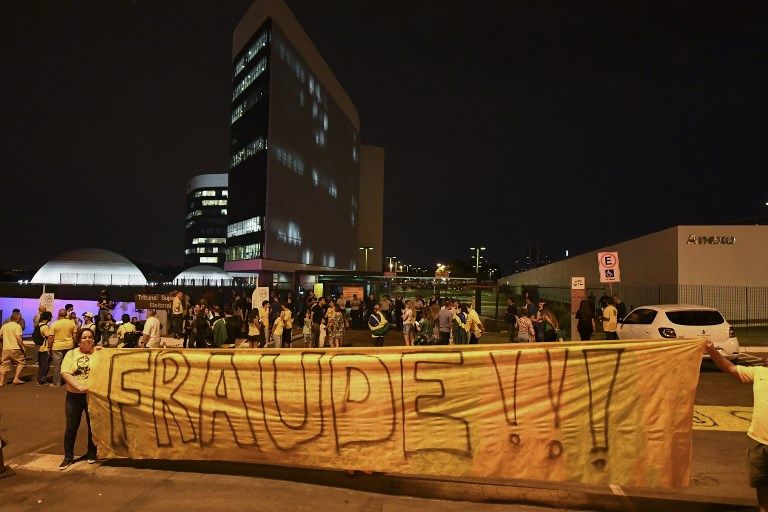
<point>722,363</point>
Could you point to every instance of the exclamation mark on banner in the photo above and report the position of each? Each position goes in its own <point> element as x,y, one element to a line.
<point>511,417</point>
<point>555,396</point>
<point>600,394</point>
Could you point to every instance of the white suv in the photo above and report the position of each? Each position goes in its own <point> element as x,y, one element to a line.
<point>680,321</point>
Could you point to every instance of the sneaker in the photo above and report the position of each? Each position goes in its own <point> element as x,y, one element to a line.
<point>65,464</point>
<point>91,458</point>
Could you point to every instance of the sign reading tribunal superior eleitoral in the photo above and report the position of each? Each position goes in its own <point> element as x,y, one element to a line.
<point>153,301</point>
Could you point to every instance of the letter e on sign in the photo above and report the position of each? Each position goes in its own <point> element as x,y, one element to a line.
<point>608,263</point>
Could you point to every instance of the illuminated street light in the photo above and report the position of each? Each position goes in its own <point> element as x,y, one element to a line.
<point>477,257</point>
<point>391,258</point>
<point>366,249</point>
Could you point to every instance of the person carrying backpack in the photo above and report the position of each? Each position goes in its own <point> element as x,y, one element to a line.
<point>39,336</point>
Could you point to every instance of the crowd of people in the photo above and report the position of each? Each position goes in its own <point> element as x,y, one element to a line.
<point>321,321</point>
<point>538,321</point>
<point>278,322</point>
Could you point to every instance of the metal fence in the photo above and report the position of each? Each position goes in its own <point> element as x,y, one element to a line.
<point>745,307</point>
<point>85,279</point>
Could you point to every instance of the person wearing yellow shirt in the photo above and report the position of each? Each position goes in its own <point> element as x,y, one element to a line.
<point>610,321</point>
<point>61,335</point>
<point>43,355</point>
<point>75,370</point>
<point>13,349</point>
<point>125,327</point>
<point>264,317</point>
<point>286,317</point>
<point>474,326</point>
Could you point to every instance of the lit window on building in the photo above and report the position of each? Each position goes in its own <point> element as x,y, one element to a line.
<point>246,105</point>
<point>203,250</point>
<point>214,202</point>
<point>205,193</point>
<point>325,122</point>
<point>190,223</point>
<point>292,236</point>
<point>320,139</point>
<point>332,191</point>
<point>223,211</point>
<point>247,152</point>
<point>225,193</point>
<point>194,213</point>
<point>250,78</point>
<point>201,241</point>
<point>209,259</point>
<point>289,160</point>
<point>243,252</point>
<point>252,51</point>
<point>315,177</point>
<point>252,225</point>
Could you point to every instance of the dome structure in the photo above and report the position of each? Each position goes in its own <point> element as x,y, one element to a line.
<point>90,267</point>
<point>202,275</point>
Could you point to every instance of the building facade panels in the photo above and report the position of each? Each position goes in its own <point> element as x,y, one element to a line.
<point>726,255</point>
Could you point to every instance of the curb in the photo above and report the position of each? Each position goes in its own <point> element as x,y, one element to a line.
<point>608,498</point>
<point>568,495</point>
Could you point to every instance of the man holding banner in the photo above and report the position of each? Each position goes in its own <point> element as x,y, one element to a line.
<point>757,457</point>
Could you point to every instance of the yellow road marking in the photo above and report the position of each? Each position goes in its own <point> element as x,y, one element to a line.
<point>721,417</point>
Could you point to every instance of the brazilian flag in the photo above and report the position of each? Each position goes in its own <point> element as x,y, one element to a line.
<point>378,325</point>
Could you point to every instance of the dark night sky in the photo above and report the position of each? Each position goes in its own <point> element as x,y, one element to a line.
<point>574,124</point>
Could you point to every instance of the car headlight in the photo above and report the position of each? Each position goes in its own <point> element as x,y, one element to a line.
<point>667,332</point>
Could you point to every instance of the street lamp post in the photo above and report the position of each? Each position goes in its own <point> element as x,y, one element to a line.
<point>390,262</point>
<point>366,249</point>
<point>477,257</point>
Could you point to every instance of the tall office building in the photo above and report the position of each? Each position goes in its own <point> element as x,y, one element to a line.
<point>298,175</point>
<point>205,235</point>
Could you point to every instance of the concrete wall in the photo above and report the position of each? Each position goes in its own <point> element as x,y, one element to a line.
<point>742,263</point>
<point>645,261</point>
<point>371,207</point>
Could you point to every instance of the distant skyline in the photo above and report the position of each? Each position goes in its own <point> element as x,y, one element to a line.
<point>505,124</point>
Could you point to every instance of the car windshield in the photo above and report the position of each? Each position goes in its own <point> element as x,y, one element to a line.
<point>640,316</point>
<point>695,317</point>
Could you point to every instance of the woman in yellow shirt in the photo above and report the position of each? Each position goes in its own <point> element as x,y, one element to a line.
<point>125,327</point>
<point>287,318</point>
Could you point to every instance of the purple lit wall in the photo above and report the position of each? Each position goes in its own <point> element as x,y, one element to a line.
<point>28,309</point>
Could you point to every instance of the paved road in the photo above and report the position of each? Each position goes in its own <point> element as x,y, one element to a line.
<point>33,421</point>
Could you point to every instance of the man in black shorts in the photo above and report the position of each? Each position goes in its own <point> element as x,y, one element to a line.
<point>758,429</point>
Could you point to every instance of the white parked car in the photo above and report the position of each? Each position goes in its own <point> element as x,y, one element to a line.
<point>680,321</point>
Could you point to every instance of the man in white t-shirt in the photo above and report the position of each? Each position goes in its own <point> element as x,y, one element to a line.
<point>757,456</point>
<point>151,332</point>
